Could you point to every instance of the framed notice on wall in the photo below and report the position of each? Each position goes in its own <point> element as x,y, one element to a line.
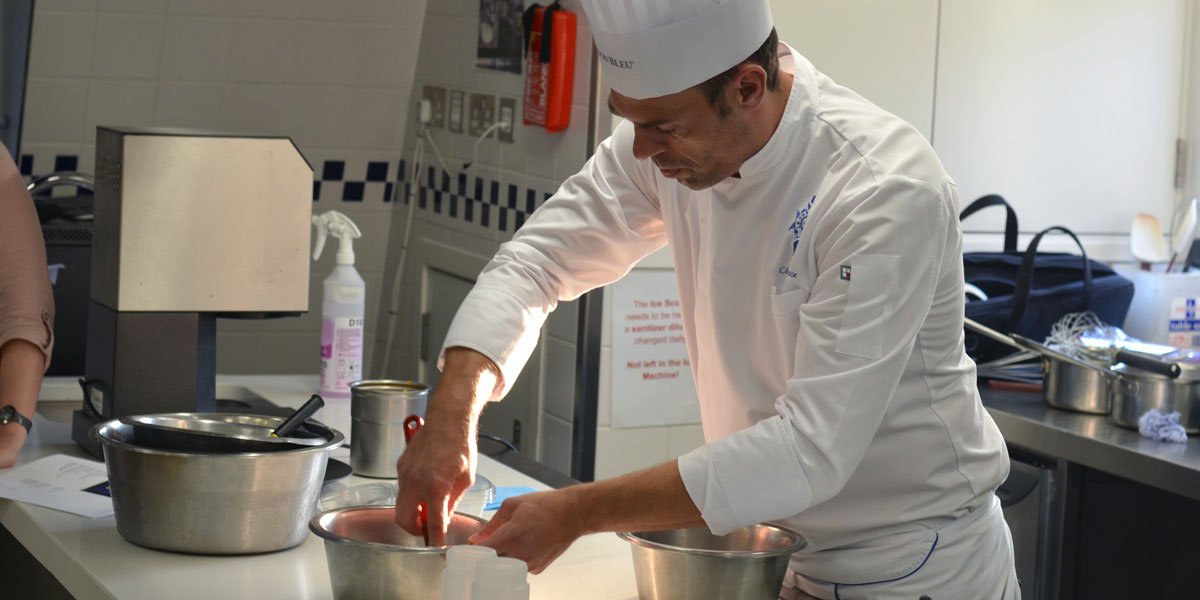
<point>651,375</point>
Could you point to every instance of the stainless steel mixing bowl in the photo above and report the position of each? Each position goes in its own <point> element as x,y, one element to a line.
<point>370,557</point>
<point>212,503</point>
<point>748,564</point>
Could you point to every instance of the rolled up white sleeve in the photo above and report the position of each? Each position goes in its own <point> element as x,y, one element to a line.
<point>855,338</point>
<point>599,224</point>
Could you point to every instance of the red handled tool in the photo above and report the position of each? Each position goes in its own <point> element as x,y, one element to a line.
<point>412,424</point>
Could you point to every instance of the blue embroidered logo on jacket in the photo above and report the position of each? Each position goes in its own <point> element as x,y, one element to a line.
<point>797,226</point>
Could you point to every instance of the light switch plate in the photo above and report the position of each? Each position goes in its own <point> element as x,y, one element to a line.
<point>454,116</point>
<point>482,114</point>
<point>436,95</point>
<point>508,116</point>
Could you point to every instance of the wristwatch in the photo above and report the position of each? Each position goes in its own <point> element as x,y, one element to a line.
<point>9,414</point>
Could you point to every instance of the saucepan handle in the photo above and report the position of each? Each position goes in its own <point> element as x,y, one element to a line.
<point>1148,363</point>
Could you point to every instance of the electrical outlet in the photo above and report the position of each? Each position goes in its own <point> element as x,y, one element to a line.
<point>436,95</point>
<point>454,118</point>
<point>482,114</point>
<point>508,116</point>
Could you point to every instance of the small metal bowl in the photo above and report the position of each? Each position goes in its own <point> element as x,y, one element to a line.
<point>748,564</point>
<point>370,556</point>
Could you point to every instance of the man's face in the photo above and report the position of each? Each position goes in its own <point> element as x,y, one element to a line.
<point>685,135</point>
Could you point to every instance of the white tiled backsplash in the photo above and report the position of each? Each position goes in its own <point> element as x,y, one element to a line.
<point>334,75</point>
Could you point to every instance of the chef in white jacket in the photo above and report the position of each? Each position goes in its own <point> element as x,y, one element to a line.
<point>819,267</point>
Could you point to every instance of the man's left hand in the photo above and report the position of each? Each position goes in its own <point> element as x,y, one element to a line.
<point>535,528</point>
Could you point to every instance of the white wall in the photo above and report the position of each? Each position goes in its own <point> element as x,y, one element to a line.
<point>335,76</point>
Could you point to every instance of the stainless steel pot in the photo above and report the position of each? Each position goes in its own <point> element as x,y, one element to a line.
<point>212,503</point>
<point>1136,391</point>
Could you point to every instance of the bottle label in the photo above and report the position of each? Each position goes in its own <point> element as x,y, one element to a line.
<point>341,354</point>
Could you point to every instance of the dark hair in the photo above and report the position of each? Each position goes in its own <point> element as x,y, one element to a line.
<point>765,57</point>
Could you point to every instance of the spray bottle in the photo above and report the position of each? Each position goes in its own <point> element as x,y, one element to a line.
<point>342,308</point>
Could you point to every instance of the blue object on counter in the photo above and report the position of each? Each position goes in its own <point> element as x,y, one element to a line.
<point>507,491</point>
<point>1161,426</point>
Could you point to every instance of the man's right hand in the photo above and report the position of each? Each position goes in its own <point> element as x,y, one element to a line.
<point>439,464</point>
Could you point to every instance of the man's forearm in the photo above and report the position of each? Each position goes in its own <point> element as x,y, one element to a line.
<point>471,380</point>
<point>646,500</point>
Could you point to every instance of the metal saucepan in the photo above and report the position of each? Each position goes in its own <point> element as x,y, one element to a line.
<point>211,432</point>
<point>1121,390</point>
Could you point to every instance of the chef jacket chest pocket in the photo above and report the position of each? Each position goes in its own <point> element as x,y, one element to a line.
<point>871,280</point>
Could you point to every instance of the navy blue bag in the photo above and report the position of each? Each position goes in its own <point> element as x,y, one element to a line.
<point>1027,292</point>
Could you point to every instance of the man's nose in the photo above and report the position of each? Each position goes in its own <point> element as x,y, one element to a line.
<point>647,143</point>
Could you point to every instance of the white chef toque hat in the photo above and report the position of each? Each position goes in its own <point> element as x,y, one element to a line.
<point>651,48</point>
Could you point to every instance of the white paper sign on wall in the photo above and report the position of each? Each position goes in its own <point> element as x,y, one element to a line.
<point>651,376</point>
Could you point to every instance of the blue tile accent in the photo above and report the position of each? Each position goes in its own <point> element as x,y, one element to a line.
<point>377,171</point>
<point>421,202</point>
<point>66,162</point>
<point>454,206</point>
<point>316,191</point>
<point>502,220</point>
<point>479,189</point>
<point>469,210</point>
<point>530,201</point>
<point>484,214</point>
<point>512,196</point>
<point>495,193</point>
<point>352,191</point>
<point>387,191</point>
<point>437,201</point>
<point>520,220</point>
<point>334,170</point>
<point>27,164</point>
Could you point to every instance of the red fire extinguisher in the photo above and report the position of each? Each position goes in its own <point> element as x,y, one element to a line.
<point>549,66</point>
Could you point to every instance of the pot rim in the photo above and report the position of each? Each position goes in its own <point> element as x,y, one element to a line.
<point>315,526</point>
<point>333,443</point>
<point>634,538</point>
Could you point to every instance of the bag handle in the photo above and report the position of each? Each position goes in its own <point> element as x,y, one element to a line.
<point>1025,277</point>
<point>1010,220</point>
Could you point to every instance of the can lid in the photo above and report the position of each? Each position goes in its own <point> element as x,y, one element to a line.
<point>387,386</point>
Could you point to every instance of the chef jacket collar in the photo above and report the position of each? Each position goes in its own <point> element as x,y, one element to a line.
<point>792,134</point>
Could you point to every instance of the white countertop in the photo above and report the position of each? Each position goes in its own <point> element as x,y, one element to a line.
<point>91,560</point>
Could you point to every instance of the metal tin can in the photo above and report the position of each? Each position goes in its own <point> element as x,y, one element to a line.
<point>378,408</point>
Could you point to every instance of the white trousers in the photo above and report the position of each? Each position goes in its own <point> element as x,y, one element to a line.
<point>972,560</point>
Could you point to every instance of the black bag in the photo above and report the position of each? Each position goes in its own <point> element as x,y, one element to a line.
<point>1028,292</point>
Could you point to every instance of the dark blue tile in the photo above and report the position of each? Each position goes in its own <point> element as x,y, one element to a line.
<point>421,202</point>
<point>547,197</point>
<point>469,210</point>
<point>520,220</point>
<point>407,193</point>
<point>437,201</point>
<point>334,170</point>
<point>402,171</point>
<point>316,191</point>
<point>387,191</point>
<point>530,201</point>
<point>377,171</point>
<point>479,189</point>
<point>430,176</point>
<point>66,162</point>
<point>502,220</point>
<point>352,191</point>
<point>495,193</point>
<point>485,212</point>
<point>27,164</point>
<point>445,181</point>
<point>462,184</point>
<point>453,206</point>
<point>512,196</point>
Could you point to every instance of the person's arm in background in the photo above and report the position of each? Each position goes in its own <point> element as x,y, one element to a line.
<point>26,306</point>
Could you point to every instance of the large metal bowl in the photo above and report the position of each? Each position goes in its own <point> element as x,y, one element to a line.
<point>371,557</point>
<point>212,503</point>
<point>748,564</point>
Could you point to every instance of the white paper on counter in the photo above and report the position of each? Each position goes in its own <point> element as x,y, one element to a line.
<point>60,482</point>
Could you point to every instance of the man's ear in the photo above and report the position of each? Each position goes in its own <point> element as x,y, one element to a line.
<point>749,89</point>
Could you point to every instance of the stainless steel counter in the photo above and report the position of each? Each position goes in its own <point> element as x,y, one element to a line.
<point>1095,442</point>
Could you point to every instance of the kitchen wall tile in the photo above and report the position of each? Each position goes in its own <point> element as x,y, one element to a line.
<point>390,11</point>
<point>330,52</point>
<point>54,111</point>
<point>555,450</point>
<point>540,150</point>
<point>264,51</point>
<point>61,45</point>
<point>128,46</point>
<point>564,321</point>
<point>119,103</point>
<point>583,61</point>
<point>279,353</point>
<point>258,109</point>
<point>568,163</point>
<point>201,7</point>
<point>189,104</point>
<point>389,56</point>
<point>376,119</point>
<point>683,439</point>
<point>324,116</point>
<point>271,9</point>
<point>45,153</point>
<point>604,408</point>
<point>196,48</point>
<point>559,390</point>
<point>621,451</point>
<point>145,7</point>
<point>64,5</point>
